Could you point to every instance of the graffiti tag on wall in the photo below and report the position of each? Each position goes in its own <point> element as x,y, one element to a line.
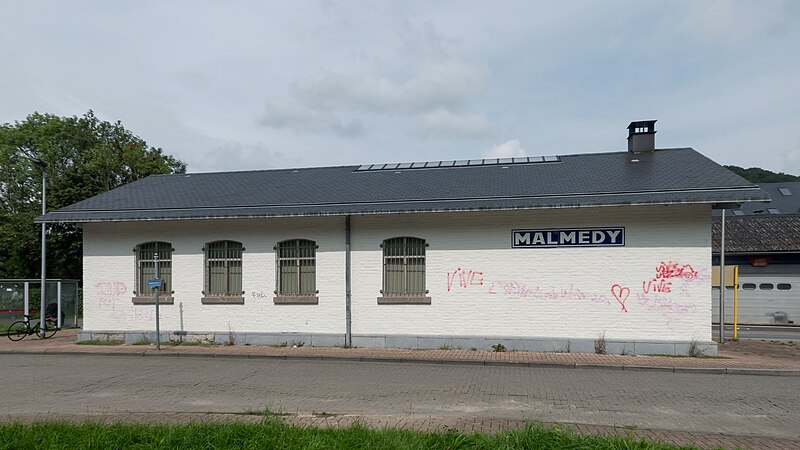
<point>657,292</point>
<point>108,293</point>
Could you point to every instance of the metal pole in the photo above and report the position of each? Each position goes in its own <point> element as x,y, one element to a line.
<point>348,336</point>
<point>43,300</point>
<point>722,282</point>
<point>158,290</point>
<point>75,324</point>
<point>27,298</point>
<point>180,306</point>
<point>736,303</point>
<point>58,306</point>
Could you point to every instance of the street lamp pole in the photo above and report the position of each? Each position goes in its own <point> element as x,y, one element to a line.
<point>43,300</point>
<point>43,305</point>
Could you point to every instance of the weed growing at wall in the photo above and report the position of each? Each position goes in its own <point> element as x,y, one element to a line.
<point>694,350</point>
<point>600,344</point>
<point>231,335</point>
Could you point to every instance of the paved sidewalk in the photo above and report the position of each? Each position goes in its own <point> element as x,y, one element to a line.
<point>750,357</point>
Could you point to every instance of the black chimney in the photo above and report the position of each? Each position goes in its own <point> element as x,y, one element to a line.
<point>642,136</point>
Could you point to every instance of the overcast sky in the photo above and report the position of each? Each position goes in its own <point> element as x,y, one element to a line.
<point>248,85</point>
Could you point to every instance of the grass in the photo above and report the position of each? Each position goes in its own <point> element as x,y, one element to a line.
<point>273,433</point>
<point>100,342</point>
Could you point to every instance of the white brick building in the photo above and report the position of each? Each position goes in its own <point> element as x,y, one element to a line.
<point>550,254</point>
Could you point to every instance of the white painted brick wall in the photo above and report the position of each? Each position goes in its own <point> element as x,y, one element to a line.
<point>515,292</point>
<point>565,292</point>
<point>109,276</point>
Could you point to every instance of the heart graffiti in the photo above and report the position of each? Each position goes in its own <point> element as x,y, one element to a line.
<point>621,294</point>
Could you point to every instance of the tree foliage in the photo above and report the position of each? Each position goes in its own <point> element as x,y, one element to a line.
<point>759,175</point>
<point>85,156</point>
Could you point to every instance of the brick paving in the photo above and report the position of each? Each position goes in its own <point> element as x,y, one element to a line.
<point>752,356</point>
<point>772,422</point>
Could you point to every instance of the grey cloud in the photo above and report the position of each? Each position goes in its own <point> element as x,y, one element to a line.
<point>240,156</point>
<point>443,123</point>
<point>441,84</point>
<point>289,114</point>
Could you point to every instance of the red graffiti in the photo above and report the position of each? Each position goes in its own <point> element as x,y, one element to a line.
<point>656,285</point>
<point>621,294</point>
<point>675,270</point>
<point>465,278</point>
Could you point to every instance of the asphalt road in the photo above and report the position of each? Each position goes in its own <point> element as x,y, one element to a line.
<point>86,384</point>
<point>765,332</point>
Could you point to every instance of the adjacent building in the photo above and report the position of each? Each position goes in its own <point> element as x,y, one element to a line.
<point>763,240</point>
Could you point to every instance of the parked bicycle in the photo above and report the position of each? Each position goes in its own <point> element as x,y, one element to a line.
<point>21,328</point>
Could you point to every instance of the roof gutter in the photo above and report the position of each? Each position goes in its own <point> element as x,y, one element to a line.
<point>52,217</point>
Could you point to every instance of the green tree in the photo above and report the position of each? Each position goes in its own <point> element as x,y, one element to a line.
<point>759,175</point>
<point>85,156</point>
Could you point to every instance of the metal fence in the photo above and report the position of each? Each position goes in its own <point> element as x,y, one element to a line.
<point>23,296</point>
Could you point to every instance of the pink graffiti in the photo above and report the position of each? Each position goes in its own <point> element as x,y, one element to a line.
<point>134,315</point>
<point>620,294</point>
<point>665,305</point>
<point>108,292</point>
<point>465,278</point>
<point>675,270</point>
<point>514,289</point>
<point>111,287</point>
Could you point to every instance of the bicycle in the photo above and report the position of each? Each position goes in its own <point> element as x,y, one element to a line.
<point>21,328</point>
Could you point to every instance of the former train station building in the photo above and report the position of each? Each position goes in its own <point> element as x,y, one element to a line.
<point>553,253</point>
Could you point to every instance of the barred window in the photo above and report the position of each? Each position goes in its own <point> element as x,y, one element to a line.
<point>146,267</point>
<point>296,267</point>
<point>404,267</point>
<point>223,269</point>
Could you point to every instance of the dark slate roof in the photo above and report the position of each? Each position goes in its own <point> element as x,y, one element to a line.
<point>758,234</point>
<point>781,202</point>
<point>668,176</point>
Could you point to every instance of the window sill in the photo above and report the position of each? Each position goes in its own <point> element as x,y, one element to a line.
<point>296,300</point>
<point>223,300</point>
<point>404,300</point>
<point>162,300</point>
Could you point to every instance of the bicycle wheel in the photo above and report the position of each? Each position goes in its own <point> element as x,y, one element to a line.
<point>17,330</point>
<point>50,327</point>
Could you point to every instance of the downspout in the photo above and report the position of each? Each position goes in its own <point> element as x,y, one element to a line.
<point>722,282</point>
<point>348,336</point>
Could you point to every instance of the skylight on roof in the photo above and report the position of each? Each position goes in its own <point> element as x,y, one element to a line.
<point>785,191</point>
<point>773,210</point>
<point>738,212</point>
<point>460,163</point>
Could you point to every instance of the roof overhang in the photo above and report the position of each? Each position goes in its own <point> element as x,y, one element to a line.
<point>709,197</point>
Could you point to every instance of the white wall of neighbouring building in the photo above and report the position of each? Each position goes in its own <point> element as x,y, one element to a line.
<point>478,284</point>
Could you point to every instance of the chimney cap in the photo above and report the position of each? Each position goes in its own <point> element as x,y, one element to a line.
<point>642,126</point>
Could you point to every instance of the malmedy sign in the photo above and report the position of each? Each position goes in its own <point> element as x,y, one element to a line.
<point>578,237</point>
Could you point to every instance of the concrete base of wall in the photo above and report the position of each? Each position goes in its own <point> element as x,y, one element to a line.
<point>556,345</point>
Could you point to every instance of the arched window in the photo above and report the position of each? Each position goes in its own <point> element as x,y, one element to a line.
<point>147,254</point>
<point>404,270</point>
<point>223,271</point>
<point>296,269</point>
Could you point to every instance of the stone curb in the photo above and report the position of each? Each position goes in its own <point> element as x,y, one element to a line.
<point>532,364</point>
